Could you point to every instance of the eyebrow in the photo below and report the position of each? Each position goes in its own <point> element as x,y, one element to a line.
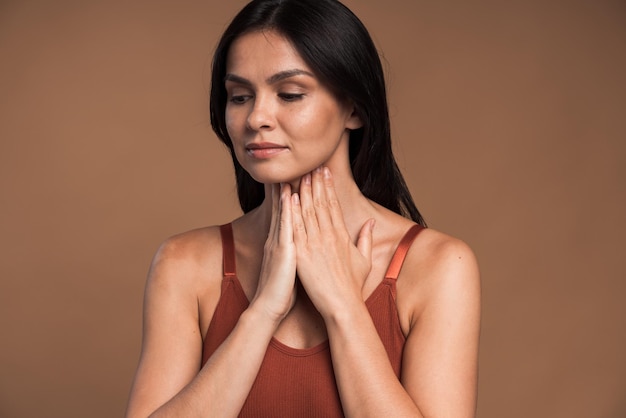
<point>282,75</point>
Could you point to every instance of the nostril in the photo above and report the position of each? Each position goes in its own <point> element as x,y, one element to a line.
<point>258,121</point>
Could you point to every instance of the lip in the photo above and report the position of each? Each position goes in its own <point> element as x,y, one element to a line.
<point>263,150</point>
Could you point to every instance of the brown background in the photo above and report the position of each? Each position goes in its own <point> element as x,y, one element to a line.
<point>509,122</point>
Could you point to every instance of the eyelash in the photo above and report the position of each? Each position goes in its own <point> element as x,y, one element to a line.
<point>238,100</point>
<point>291,97</point>
<point>287,97</point>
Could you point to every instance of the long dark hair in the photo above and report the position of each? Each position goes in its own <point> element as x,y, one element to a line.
<point>337,47</point>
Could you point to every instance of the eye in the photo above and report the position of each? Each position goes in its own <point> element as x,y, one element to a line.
<point>290,97</point>
<point>239,99</point>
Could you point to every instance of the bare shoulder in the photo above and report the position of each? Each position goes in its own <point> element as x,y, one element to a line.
<point>438,269</point>
<point>435,251</point>
<point>185,278</point>
<point>189,248</point>
<point>187,262</point>
<point>434,254</point>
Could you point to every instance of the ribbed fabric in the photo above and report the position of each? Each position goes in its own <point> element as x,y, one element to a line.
<point>300,382</point>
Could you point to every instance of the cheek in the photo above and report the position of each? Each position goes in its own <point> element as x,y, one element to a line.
<point>229,121</point>
<point>233,126</point>
<point>314,123</point>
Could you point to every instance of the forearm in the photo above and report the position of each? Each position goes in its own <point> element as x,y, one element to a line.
<point>367,383</point>
<point>219,389</point>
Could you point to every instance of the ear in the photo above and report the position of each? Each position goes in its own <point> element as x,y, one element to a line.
<point>354,120</point>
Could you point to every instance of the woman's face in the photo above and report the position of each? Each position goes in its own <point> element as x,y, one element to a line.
<point>282,121</point>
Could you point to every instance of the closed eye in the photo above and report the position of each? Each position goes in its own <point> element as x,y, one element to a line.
<point>239,99</point>
<point>290,97</point>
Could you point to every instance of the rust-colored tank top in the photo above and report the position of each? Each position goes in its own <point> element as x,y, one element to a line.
<point>300,382</point>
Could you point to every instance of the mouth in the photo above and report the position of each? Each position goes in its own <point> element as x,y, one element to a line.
<point>264,150</point>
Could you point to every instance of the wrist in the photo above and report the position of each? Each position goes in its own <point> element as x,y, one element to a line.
<point>346,313</point>
<point>258,313</point>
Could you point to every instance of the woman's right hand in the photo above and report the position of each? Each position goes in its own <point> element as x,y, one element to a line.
<point>276,290</point>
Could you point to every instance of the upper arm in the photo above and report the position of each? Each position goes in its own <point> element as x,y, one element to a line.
<point>172,339</point>
<point>439,368</point>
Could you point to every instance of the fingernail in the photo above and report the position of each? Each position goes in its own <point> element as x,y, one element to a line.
<point>318,170</point>
<point>307,179</point>
<point>296,199</point>
<point>326,172</point>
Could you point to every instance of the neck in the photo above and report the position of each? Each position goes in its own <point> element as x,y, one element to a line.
<point>356,208</point>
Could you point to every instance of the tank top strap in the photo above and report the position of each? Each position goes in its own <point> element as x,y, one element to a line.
<point>403,248</point>
<point>228,250</point>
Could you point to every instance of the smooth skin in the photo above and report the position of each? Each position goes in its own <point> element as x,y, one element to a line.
<point>314,222</point>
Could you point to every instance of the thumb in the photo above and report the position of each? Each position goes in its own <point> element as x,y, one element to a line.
<point>364,241</point>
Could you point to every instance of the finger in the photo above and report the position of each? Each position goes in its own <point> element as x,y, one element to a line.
<point>285,233</point>
<point>320,199</point>
<point>299,230</point>
<point>309,217</point>
<point>364,241</point>
<point>273,231</point>
<point>334,207</point>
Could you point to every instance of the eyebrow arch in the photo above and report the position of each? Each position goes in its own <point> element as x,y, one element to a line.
<point>272,79</point>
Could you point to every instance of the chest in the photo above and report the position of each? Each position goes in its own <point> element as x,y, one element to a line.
<point>300,381</point>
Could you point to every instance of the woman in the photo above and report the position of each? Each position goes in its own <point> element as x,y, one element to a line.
<point>328,297</point>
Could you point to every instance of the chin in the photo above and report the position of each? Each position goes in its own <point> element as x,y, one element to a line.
<point>275,171</point>
<point>271,177</point>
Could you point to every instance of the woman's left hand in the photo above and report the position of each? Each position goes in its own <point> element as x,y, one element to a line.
<point>330,266</point>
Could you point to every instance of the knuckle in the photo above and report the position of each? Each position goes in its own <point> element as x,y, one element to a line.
<point>319,203</point>
<point>283,223</point>
<point>308,212</point>
<point>333,203</point>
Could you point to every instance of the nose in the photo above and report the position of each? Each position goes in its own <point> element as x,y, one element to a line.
<point>261,115</point>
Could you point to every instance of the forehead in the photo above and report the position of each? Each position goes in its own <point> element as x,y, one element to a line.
<point>264,53</point>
